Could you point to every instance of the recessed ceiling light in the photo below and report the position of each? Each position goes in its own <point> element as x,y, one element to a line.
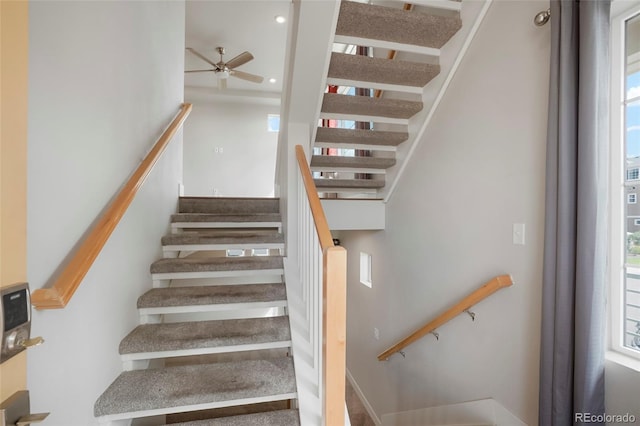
<point>280,19</point>
<point>272,80</point>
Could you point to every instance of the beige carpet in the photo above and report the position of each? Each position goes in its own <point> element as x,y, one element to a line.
<point>357,413</point>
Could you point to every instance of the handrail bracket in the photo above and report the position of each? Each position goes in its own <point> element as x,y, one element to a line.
<point>463,305</point>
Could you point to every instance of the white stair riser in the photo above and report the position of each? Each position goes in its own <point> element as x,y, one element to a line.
<point>388,148</point>
<point>224,225</point>
<point>251,279</point>
<point>201,351</point>
<point>209,247</point>
<point>349,190</point>
<point>438,4</point>
<point>213,274</point>
<point>235,314</point>
<point>383,44</point>
<point>348,170</point>
<point>365,118</point>
<point>376,86</point>
<point>172,310</point>
<point>198,407</point>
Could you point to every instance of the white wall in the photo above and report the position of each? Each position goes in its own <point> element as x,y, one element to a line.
<point>105,79</point>
<point>622,387</point>
<point>246,165</point>
<point>478,170</point>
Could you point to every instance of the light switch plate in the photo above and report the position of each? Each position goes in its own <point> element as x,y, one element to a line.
<point>519,234</point>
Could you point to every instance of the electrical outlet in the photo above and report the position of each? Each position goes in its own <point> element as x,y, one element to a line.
<point>376,333</point>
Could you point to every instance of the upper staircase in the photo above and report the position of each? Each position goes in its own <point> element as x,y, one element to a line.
<point>402,52</point>
<point>213,344</point>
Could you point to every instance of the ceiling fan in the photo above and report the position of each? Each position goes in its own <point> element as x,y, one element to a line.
<point>223,69</point>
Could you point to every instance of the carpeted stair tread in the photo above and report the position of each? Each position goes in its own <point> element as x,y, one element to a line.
<point>205,334</point>
<point>188,385</point>
<point>396,25</point>
<point>195,239</point>
<point>209,264</point>
<point>355,162</point>
<point>269,418</point>
<point>226,205</point>
<point>365,105</point>
<point>211,295</point>
<point>381,70</point>
<point>204,217</point>
<point>348,183</point>
<point>359,136</point>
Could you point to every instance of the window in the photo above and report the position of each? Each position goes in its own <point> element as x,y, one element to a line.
<point>625,167</point>
<point>365,269</point>
<point>273,122</point>
<point>260,252</point>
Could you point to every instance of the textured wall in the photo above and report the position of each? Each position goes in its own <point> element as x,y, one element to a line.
<point>105,79</point>
<point>478,170</point>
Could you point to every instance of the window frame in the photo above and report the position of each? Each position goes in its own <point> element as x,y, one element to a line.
<point>621,12</point>
<point>366,263</point>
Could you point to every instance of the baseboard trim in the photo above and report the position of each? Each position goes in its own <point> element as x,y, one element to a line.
<point>363,398</point>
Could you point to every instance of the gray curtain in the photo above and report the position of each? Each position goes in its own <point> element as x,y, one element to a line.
<point>573,300</point>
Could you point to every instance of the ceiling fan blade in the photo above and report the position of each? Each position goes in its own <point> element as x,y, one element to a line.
<point>241,59</point>
<point>222,83</point>
<point>204,58</point>
<point>199,70</point>
<point>246,76</point>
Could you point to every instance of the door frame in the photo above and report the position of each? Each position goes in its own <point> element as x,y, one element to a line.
<point>14,51</point>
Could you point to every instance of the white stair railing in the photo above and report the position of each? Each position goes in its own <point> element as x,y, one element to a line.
<point>316,287</point>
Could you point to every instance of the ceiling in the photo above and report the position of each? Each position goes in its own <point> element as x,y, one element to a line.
<point>238,26</point>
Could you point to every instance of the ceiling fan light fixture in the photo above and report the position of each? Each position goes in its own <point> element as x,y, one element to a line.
<point>280,19</point>
<point>222,70</point>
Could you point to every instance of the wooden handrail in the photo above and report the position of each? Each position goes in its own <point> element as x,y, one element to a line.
<point>483,292</point>
<point>334,330</point>
<point>334,293</point>
<point>72,275</point>
<point>324,235</point>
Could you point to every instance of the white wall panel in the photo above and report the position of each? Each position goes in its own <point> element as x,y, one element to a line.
<point>105,79</point>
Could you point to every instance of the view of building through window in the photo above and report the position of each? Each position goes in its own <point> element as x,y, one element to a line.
<point>631,134</point>
<point>341,124</point>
